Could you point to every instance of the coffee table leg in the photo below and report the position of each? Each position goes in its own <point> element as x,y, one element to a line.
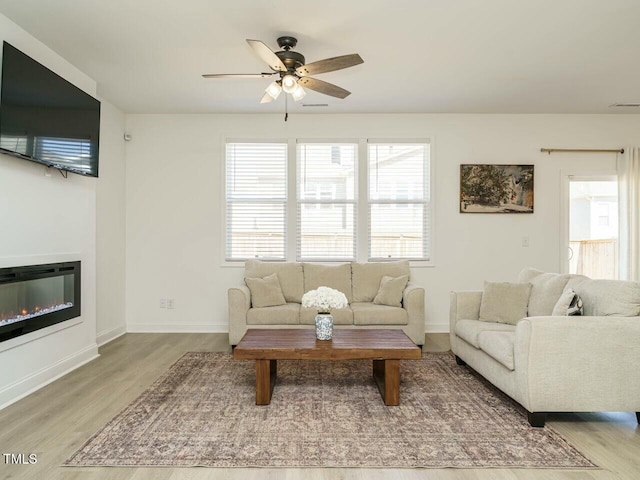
<point>386,373</point>
<point>266,372</point>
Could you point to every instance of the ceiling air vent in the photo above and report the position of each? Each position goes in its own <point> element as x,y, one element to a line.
<point>636,105</point>
<point>315,104</point>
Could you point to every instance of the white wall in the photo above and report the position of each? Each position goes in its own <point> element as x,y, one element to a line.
<point>110,228</point>
<point>174,201</point>
<point>46,218</point>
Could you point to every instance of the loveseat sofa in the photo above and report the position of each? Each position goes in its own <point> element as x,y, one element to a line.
<point>370,306</point>
<point>548,361</point>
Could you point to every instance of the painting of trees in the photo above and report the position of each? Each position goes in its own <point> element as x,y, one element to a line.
<point>496,188</point>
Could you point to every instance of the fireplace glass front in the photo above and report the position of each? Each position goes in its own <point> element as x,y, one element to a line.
<point>36,296</point>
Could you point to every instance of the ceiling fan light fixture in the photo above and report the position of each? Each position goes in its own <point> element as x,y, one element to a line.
<point>289,83</point>
<point>298,94</point>
<point>273,90</point>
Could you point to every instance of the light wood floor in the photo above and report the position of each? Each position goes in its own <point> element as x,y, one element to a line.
<point>57,419</point>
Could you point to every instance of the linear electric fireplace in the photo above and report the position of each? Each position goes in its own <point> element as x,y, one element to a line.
<point>37,296</point>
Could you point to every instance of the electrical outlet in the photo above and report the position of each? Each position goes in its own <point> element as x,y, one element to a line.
<point>163,303</point>
<point>170,303</point>
<point>525,241</point>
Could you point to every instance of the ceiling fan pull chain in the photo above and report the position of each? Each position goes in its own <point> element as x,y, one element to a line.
<point>286,108</point>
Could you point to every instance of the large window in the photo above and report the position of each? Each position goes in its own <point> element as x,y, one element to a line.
<point>256,200</point>
<point>326,189</point>
<point>337,201</point>
<point>398,201</point>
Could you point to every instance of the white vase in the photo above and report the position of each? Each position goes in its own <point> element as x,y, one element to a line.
<point>324,326</point>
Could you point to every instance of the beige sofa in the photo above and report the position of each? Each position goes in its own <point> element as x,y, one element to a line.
<point>557,363</point>
<point>360,283</point>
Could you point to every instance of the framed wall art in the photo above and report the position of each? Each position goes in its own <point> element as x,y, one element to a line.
<point>486,188</point>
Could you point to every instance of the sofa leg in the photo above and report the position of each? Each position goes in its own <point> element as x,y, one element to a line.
<point>638,417</point>
<point>536,419</point>
<point>460,361</point>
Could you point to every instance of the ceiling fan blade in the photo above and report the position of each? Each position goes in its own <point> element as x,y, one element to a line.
<point>237,75</point>
<point>329,64</point>
<point>267,55</point>
<point>267,98</point>
<point>324,87</point>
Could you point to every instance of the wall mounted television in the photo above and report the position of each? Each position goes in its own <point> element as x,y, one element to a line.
<point>46,119</point>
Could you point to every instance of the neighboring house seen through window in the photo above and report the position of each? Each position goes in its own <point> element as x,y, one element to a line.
<point>326,209</point>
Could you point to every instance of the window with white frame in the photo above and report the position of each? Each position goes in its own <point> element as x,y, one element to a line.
<point>326,206</point>
<point>399,198</point>
<point>256,200</point>
<point>326,220</point>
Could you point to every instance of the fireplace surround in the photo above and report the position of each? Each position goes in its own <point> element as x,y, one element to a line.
<point>37,296</point>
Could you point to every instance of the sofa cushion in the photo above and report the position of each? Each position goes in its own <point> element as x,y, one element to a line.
<point>575,280</point>
<point>505,302</point>
<point>365,313</point>
<point>569,304</point>
<point>288,314</point>
<point>610,297</point>
<point>546,289</point>
<point>469,330</point>
<point>265,292</point>
<point>341,316</point>
<point>366,277</point>
<point>289,275</point>
<point>390,291</point>
<point>528,274</point>
<point>499,346</point>
<point>332,276</point>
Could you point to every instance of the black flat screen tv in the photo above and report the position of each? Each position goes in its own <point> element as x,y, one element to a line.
<point>46,119</point>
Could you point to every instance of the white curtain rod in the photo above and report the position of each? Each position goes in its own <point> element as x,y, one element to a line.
<point>582,150</point>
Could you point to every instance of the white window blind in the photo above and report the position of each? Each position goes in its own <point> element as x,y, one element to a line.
<point>256,198</point>
<point>399,197</point>
<point>326,210</point>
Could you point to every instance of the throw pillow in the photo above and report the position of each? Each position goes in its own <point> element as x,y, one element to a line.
<point>569,304</point>
<point>504,302</point>
<point>390,291</point>
<point>575,307</point>
<point>266,291</point>
<point>546,289</point>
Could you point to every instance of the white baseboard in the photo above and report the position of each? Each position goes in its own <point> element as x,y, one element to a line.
<point>29,384</point>
<point>176,328</point>
<point>107,336</point>
<point>436,328</point>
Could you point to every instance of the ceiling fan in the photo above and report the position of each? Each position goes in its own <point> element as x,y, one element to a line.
<point>293,72</point>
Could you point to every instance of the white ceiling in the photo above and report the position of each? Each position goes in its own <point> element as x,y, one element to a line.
<point>435,56</point>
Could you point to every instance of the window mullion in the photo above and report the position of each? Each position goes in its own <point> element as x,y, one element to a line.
<point>362,205</point>
<point>291,230</point>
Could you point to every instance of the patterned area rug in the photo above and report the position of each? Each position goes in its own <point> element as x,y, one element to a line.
<point>202,412</point>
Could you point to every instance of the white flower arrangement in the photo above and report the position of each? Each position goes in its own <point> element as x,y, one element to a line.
<point>324,299</point>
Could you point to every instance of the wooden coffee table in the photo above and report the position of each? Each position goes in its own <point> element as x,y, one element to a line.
<point>385,347</point>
